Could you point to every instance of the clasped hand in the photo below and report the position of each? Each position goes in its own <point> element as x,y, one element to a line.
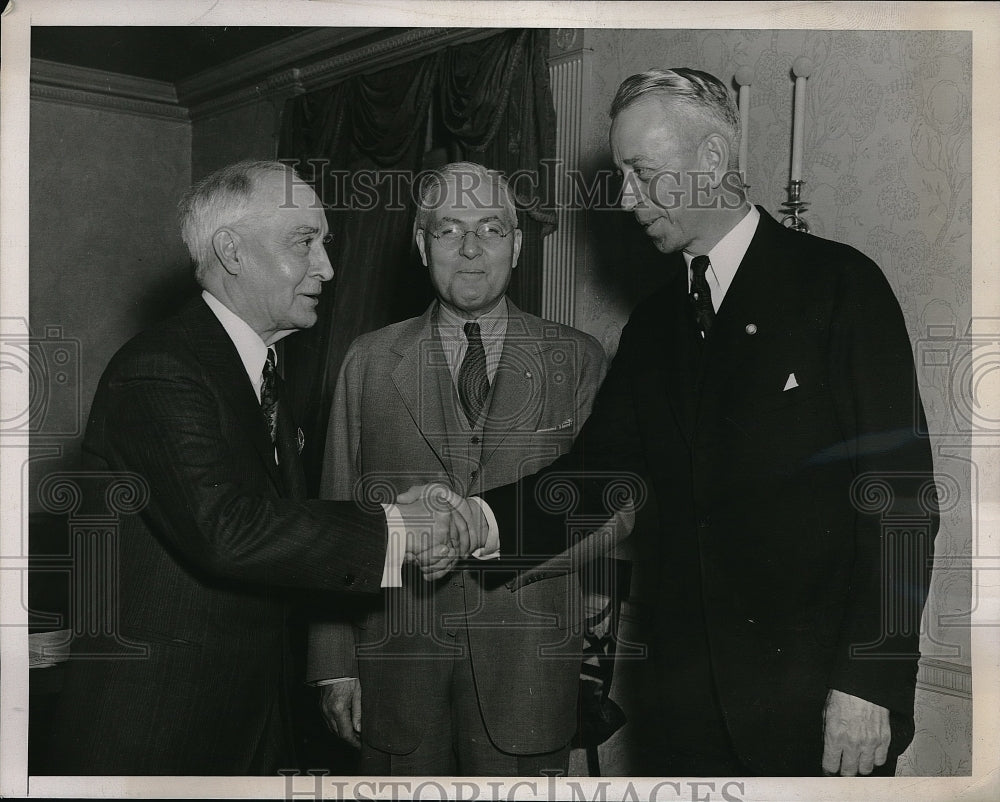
<point>441,528</point>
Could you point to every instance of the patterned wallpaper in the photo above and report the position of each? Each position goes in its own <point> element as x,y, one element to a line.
<point>887,167</point>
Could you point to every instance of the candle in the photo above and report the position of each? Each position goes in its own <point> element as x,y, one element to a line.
<point>801,68</point>
<point>744,77</point>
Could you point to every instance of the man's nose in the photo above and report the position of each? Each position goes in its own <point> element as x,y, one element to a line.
<point>321,267</point>
<point>631,196</point>
<point>471,247</point>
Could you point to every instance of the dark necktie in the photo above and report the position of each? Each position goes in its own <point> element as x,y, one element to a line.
<point>282,429</point>
<point>701,295</point>
<point>269,393</point>
<point>473,381</point>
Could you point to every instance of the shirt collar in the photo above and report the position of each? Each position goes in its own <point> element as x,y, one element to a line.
<point>729,252</point>
<point>492,324</point>
<point>249,345</point>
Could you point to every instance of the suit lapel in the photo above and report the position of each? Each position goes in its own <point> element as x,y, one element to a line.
<point>222,362</point>
<point>418,379</point>
<point>751,295</point>
<point>518,396</point>
<point>746,292</point>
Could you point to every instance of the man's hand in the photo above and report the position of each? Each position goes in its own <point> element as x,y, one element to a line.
<point>469,529</point>
<point>340,703</point>
<point>855,735</point>
<point>430,530</point>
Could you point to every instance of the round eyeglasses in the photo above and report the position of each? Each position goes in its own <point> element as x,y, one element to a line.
<point>454,235</point>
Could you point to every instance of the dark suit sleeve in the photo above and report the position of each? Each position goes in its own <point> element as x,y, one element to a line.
<point>592,371</point>
<point>880,412</point>
<point>546,513</point>
<point>163,419</point>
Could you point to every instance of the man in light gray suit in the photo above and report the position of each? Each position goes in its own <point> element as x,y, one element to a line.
<point>465,676</point>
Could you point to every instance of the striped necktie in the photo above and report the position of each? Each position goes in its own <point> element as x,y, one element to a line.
<point>473,380</point>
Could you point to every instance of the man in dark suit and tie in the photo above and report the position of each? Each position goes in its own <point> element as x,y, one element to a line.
<point>459,677</point>
<point>767,394</point>
<point>192,409</point>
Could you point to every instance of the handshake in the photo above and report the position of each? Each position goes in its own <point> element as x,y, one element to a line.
<point>441,527</point>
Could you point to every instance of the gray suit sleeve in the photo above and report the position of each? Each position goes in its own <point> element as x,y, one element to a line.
<point>331,648</point>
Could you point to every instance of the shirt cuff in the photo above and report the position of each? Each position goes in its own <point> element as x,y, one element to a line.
<point>321,682</point>
<point>395,551</point>
<point>491,549</point>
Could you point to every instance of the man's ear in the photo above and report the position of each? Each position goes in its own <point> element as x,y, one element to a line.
<point>714,157</point>
<point>518,236</point>
<point>226,244</point>
<point>419,237</point>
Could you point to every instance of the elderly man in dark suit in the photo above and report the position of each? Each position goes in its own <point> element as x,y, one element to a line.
<point>459,677</point>
<point>193,408</point>
<point>767,394</point>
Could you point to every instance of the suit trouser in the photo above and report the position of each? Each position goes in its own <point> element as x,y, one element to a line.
<point>455,740</point>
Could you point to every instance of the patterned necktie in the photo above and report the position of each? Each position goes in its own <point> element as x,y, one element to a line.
<point>473,381</point>
<point>701,295</point>
<point>269,393</point>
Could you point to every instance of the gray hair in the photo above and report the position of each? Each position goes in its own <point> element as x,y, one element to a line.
<point>702,94</point>
<point>463,176</point>
<point>218,200</point>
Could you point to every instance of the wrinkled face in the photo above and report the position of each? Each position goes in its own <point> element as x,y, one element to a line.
<point>283,260</point>
<point>652,147</point>
<point>469,275</point>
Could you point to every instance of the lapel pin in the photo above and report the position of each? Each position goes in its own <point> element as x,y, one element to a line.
<point>751,328</point>
<point>527,374</point>
<point>301,438</point>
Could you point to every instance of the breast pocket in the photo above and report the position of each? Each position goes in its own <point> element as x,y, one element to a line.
<point>766,400</point>
<point>777,429</point>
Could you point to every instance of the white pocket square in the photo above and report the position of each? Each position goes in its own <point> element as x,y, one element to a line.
<point>564,425</point>
<point>790,382</point>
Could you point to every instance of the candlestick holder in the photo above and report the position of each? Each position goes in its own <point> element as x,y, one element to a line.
<point>794,207</point>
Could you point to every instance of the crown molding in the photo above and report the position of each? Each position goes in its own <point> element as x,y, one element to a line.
<point>82,86</point>
<point>286,68</point>
<point>215,94</point>
<point>278,58</point>
<point>390,51</point>
<point>274,87</point>
<point>69,76</point>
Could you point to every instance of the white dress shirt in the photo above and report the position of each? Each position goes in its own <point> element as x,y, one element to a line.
<point>726,256</point>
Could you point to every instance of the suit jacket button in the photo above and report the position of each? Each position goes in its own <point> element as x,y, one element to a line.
<point>475,439</point>
<point>349,579</point>
<point>473,475</point>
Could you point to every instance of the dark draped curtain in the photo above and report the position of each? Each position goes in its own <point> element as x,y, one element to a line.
<point>495,100</point>
<point>362,145</point>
